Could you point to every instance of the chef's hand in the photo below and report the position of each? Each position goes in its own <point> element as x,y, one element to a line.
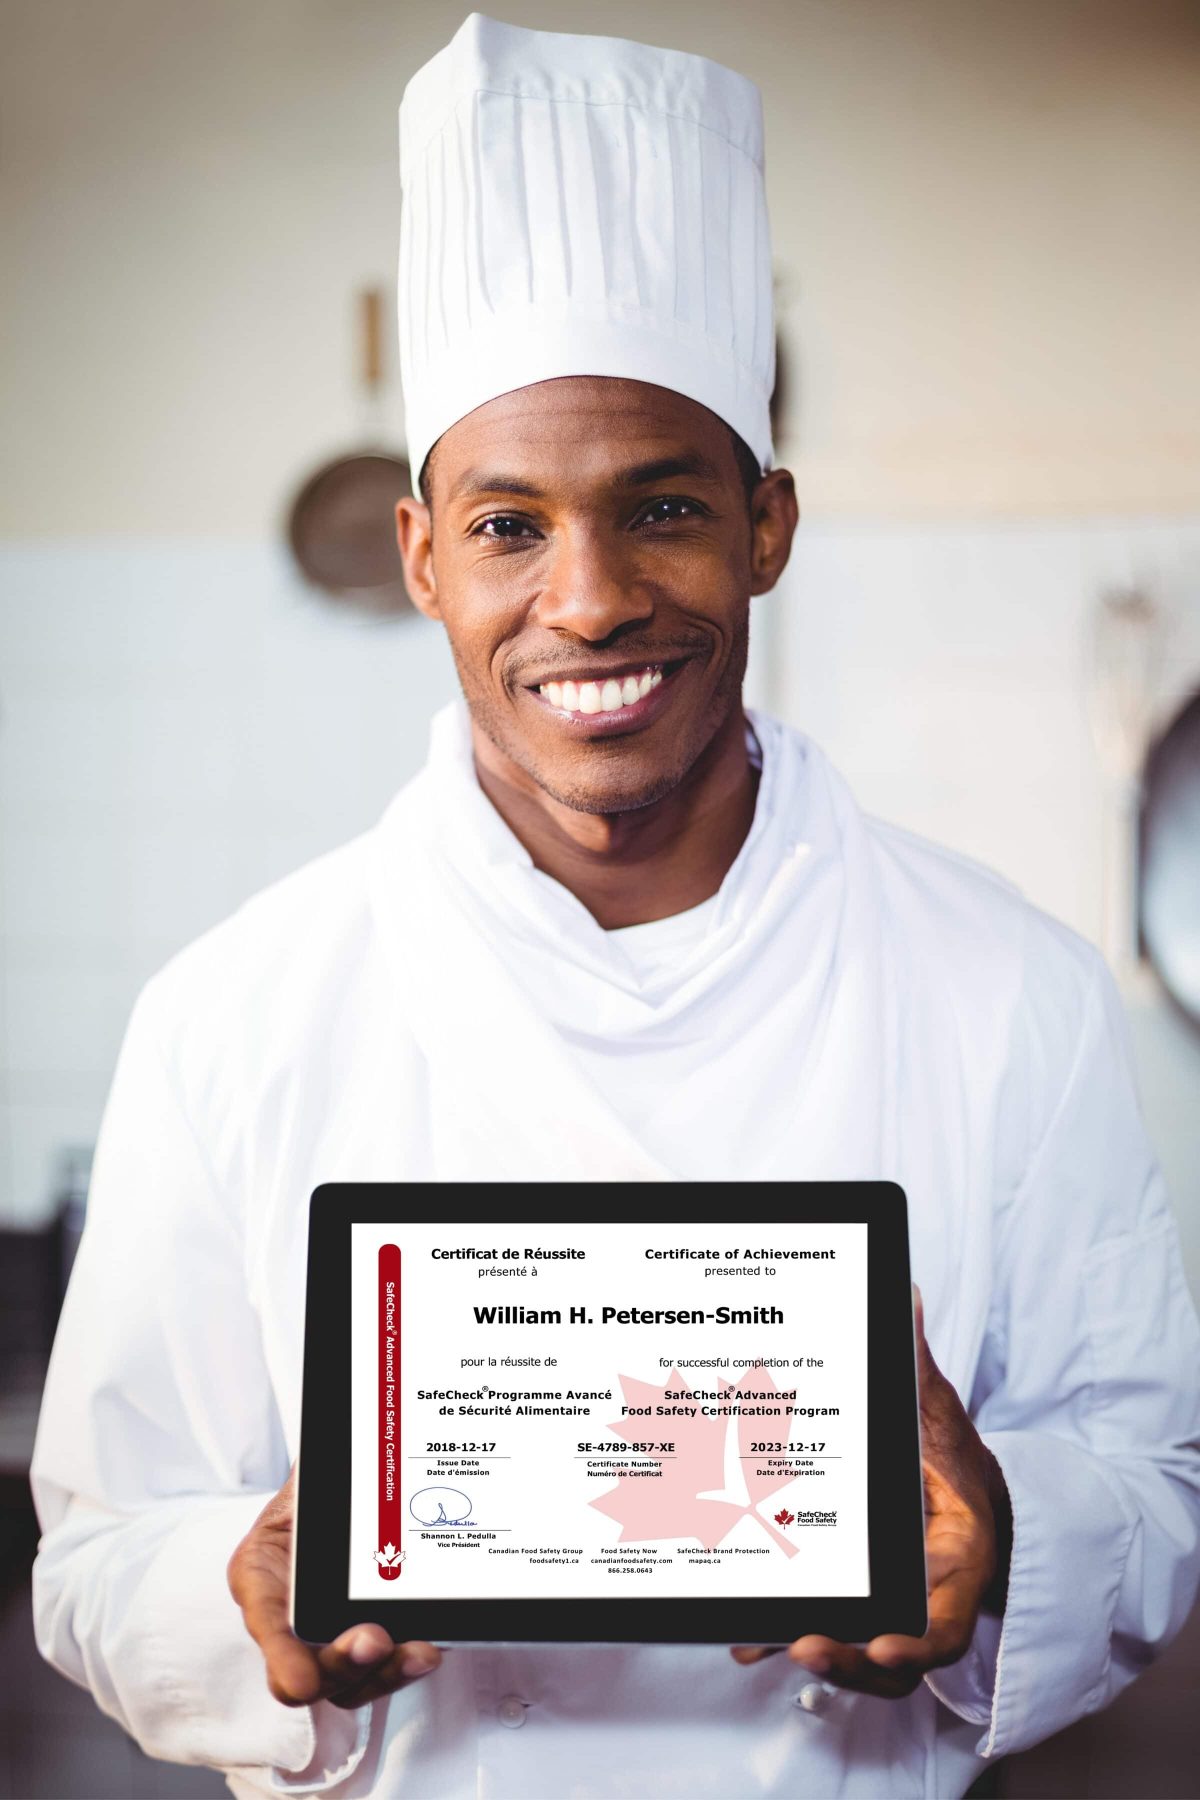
<point>363,1664</point>
<point>968,1540</point>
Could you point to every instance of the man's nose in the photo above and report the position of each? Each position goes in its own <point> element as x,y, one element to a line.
<point>592,590</point>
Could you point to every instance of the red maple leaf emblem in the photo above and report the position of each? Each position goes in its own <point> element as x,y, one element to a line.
<point>675,1504</point>
<point>784,1517</point>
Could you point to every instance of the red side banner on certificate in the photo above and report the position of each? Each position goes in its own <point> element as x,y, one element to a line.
<point>389,1556</point>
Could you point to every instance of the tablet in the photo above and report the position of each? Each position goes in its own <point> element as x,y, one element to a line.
<point>611,1428</point>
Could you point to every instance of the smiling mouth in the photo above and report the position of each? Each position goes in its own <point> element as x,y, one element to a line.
<point>591,695</point>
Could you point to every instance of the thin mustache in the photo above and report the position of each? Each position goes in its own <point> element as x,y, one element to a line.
<point>627,655</point>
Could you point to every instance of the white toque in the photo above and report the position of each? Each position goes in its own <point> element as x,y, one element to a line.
<point>581,206</point>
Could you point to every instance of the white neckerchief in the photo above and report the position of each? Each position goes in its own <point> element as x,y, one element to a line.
<point>786,988</point>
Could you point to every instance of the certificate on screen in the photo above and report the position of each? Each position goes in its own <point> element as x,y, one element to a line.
<point>608,1415</point>
<point>608,1409</point>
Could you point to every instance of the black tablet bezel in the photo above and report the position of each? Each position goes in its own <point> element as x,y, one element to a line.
<point>322,1608</point>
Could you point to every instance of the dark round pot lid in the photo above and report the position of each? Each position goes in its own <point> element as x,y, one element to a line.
<point>1169,886</point>
<point>342,530</point>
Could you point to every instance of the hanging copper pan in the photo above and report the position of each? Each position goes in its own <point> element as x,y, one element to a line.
<point>342,525</point>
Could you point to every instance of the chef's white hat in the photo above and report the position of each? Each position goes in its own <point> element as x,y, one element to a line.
<point>581,206</point>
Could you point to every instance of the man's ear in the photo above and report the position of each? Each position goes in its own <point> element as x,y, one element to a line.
<point>774,515</point>
<point>414,534</point>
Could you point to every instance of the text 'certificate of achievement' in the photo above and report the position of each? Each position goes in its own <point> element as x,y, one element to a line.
<point>610,1431</point>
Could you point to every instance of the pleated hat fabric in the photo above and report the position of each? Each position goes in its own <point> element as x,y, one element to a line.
<point>581,206</point>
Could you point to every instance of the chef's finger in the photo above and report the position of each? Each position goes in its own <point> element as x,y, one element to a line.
<point>293,1673</point>
<point>815,1652</point>
<point>846,1666</point>
<point>407,1663</point>
<point>830,1659</point>
<point>953,1610</point>
<point>929,1376</point>
<point>752,1653</point>
<point>353,1658</point>
<point>894,1663</point>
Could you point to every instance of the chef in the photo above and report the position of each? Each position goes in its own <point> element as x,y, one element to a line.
<point>616,927</point>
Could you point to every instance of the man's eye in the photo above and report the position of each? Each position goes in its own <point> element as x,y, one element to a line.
<point>671,506</point>
<point>502,525</point>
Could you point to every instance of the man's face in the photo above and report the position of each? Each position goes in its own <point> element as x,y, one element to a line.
<point>592,557</point>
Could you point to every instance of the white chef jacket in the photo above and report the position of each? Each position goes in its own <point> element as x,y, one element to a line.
<point>424,1004</point>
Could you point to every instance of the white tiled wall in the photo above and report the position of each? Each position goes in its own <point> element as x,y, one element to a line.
<point>945,670</point>
<point>181,723</point>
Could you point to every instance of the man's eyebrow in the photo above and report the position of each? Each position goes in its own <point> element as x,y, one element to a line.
<point>663,468</point>
<point>476,483</point>
<point>485,481</point>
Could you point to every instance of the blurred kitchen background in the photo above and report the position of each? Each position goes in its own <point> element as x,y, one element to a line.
<point>985,226</point>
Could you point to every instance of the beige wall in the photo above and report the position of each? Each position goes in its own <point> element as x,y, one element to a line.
<point>984,216</point>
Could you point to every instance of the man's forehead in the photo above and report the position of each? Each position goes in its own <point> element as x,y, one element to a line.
<point>590,428</point>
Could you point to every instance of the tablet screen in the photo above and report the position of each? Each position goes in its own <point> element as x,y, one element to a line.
<point>599,1409</point>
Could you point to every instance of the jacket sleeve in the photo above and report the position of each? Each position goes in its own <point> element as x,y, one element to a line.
<point>158,1444</point>
<point>1088,1393</point>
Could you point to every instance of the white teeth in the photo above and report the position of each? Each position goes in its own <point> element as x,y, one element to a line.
<point>600,696</point>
